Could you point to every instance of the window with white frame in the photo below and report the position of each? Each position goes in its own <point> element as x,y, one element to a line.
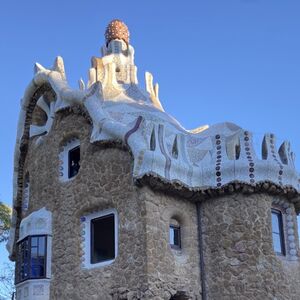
<point>100,238</point>
<point>69,159</point>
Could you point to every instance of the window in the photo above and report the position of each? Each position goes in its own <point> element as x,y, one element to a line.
<point>31,262</point>
<point>69,159</point>
<point>175,234</point>
<point>103,239</point>
<point>100,238</point>
<point>277,232</point>
<point>74,161</point>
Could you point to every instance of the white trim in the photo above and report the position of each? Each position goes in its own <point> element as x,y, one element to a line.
<point>37,223</point>
<point>33,289</point>
<point>86,238</point>
<point>64,159</point>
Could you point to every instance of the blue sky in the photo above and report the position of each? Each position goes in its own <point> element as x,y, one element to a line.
<point>215,61</point>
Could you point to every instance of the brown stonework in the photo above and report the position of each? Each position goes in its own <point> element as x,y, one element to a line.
<point>146,267</point>
<point>239,258</point>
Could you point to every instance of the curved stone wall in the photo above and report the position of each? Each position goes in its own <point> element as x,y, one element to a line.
<point>240,262</point>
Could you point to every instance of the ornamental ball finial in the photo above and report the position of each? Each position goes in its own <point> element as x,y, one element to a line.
<point>116,29</point>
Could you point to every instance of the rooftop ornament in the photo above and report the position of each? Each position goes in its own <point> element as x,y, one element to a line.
<point>116,30</point>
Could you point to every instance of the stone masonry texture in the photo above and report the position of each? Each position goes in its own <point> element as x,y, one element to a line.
<point>239,257</point>
<point>239,260</point>
<point>146,267</point>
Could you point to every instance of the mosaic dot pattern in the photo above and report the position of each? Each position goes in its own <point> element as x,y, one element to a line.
<point>218,160</point>
<point>251,165</point>
<point>274,156</point>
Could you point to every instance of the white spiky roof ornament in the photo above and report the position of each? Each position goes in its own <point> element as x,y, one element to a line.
<point>200,162</point>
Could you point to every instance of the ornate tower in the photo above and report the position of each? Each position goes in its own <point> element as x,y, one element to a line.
<point>114,199</point>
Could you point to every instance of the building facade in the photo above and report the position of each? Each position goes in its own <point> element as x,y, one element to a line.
<point>114,199</point>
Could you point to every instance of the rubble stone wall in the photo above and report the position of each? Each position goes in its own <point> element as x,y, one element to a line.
<point>171,271</point>
<point>105,181</point>
<point>240,261</point>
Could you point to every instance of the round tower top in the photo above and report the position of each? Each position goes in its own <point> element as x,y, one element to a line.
<point>116,29</point>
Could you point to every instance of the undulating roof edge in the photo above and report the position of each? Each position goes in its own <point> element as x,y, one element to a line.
<point>207,161</point>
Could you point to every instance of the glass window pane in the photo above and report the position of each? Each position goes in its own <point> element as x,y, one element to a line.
<point>38,254</point>
<point>177,237</point>
<point>171,231</point>
<point>276,243</point>
<point>42,245</point>
<point>34,251</point>
<point>34,241</point>
<point>174,233</point>
<point>103,239</point>
<point>275,222</point>
<point>37,268</point>
<point>74,161</point>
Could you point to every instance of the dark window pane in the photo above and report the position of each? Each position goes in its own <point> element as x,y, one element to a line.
<point>23,260</point>
<point>174,235</point>
<point>103,239</point>
<point>37,267</point>
<point>74,161</point>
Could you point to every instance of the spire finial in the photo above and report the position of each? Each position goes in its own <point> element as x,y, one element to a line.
<point>117,29</point>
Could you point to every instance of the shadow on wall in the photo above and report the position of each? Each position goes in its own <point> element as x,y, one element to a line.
<point>180,296</point>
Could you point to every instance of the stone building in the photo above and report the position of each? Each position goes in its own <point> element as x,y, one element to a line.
<point>114,199</point>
